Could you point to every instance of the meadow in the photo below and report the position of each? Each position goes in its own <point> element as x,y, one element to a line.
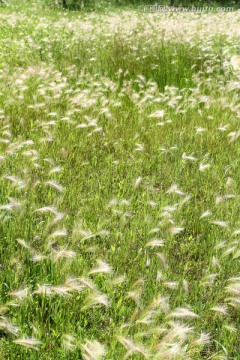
<point>119,184</point>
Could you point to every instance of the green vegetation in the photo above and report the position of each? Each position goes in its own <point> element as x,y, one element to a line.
<point>119,196</point>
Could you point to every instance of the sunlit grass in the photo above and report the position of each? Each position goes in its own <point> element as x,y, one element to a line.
<point>119,187</point>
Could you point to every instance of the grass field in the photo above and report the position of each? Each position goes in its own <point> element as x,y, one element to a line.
<point>119,185</point>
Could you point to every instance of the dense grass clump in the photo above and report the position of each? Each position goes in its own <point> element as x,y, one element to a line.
<point>119,187</point>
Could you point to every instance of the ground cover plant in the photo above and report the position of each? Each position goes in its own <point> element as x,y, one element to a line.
<point>119,196</point>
